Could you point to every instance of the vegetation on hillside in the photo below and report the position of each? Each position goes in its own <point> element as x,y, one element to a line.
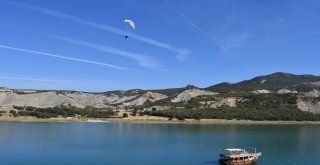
<point>249,105</point>
<point>64,111</point>
<point>229,88</point>
<point>231,113</point>
<point>281,80</point>
<point>252,107</point>
<point>272,82</point>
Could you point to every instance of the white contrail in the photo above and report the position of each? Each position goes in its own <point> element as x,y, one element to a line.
<point>193,25</point>
<point>32,79</point>
<point>142,60</point>
<point>222,47</point>
<point>181,52</point>
<point>63,57</point>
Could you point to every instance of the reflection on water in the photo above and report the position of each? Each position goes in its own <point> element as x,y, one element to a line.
<point>158,144</point>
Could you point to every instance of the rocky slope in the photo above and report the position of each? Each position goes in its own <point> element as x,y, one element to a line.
<point>191,93</point>
<point>148,96</point>
<point>304,87</point>
<point>309,105</point>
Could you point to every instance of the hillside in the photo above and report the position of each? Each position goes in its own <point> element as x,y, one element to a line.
<point>287,91</point>
<point>280,80</point>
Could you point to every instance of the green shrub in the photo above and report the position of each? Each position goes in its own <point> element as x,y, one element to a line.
<point>14,113</point>
<point>66,111</point>
<point>124,115</point>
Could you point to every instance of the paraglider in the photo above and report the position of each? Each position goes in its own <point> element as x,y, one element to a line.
<point>131,25</point>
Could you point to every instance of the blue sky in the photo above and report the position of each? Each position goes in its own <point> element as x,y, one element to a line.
<point>80,44</point>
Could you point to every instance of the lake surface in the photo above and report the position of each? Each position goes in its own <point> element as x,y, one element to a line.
<point>152,144</point>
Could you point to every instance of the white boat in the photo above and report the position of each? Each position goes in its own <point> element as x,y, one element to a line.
<point>236,156</point>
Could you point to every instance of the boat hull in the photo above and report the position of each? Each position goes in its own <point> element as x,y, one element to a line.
<point>249,160</point>
<point>236,162</point>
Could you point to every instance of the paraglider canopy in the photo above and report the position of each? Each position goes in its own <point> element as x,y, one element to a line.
<point>130,23</point>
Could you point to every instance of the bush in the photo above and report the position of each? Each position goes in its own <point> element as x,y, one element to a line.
<point>14,113</point>
<point>134,112</point>
<point>197,117</point>
<point>124,115</point>
<point>66,111</point>
<point>18,107</point>
<point>180,118</point>
<point>230,113</point>
<point>142,113</point>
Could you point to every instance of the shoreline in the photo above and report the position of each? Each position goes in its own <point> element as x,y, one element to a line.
<point>218,121</point>
<point>155,120</point>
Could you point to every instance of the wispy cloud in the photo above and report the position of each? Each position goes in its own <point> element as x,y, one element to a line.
<point>63,57</point>
<point>181,53</point>
<point>30,78</point>
<point>142,60</point>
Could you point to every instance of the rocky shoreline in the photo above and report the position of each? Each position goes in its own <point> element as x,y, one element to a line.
<point>151,119</point>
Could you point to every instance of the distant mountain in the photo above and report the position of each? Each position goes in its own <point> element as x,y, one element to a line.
<point>280,80</point>
<point>226,87</point>
<point>272,82</point>
<point>305,88</point>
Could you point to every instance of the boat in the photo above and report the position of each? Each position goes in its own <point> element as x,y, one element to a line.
<point>236,156</point>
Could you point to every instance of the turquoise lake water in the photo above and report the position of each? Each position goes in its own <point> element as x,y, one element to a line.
<point>152,144</point>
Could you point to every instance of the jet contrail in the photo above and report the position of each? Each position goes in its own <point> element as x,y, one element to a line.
<point>222,47</point>
<point>142,60</point>
<point>32,79</point>
<point>63,57</point>
<point>181,52</point>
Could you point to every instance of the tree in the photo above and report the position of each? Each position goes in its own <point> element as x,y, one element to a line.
<point>18,107</point>
<point>142,113</point>
<point>197,117</point>
<point>180,118</point>
<point>14,113</point>
<point>124,115</point>
<point>134,112</point>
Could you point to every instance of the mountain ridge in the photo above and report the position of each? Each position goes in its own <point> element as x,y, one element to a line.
<point>301,78</point>
<point>304,87</point>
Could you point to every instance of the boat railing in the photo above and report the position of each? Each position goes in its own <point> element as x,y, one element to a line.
<point>245,150</point>
<point>250,149</point>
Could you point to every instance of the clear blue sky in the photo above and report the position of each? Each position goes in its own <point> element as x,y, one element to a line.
<point>80,45</point>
